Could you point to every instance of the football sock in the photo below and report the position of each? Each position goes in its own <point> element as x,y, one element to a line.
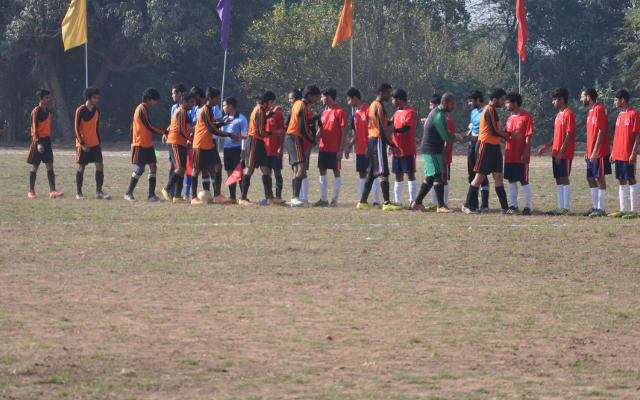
<point>172,191</point>
<point>424,190</point>
<point>337,182</point>
<point>361,187</point>
<point>172,181</point>
<point>594,197</point>
<point>384,186</point>
<point>132,185</point>
<point>602,195</point>
<point>232,191</point>
<point>513,194</point>
<point>99,180</point>
<point>178,187</point>
<point>624,190</point>
<point>304,191</point>
<point>324,186</point>
<point>434,198</point>
<point>368,185</point>
<point>279,186</point>
<point>560,190</point>
<point>633,189</point>
<point>471,194</point>
<point>32,180</point>
<point>187,185</point>
<point>267,182</point>
<point>79,178</point>
<point>567,197</point>
<point>152,183</point>
<point>446,194</point>
<point>413,191</point>
<point>194,186</point>
<point>502,196</point>
<point>52,180</point>
<point>293,184</point>
<point>246,182</point>
<point>218,184</point>
<point>439,190</point>
<point>398,191</point>
<point>474,202</point>
<point>485,196</point>
<point>206,183</point>
<point>526,193</point>
<point>297,185</point>
<point>375,188</point>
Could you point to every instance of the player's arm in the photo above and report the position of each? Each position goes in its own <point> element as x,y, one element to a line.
<point>594,155</point>
<point>77,127</point>
<point>352,142</point>
<point>303,125</point>
<point>211,125</point>
<point>441,124</point>
<point>185,127</point>
<point>382,125</point>
<point>36,123</point>
<point>491,118</point>
<point>634,154</point>
<point>261,119</point>
<point>146,121</point>
<point>98,126</point>
<point>527,149</point>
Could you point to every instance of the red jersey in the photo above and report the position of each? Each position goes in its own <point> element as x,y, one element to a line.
<point>523,124</point>
<point>597,119</point>
<point>406,141</point>
<point>333,120</point>
<point>272,143</point>
<point>627,126</point>
<point>361,126</point>
<point>448,157</point>
<point>565,123</point>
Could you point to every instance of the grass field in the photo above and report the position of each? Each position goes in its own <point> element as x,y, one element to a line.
<point>112,300</point>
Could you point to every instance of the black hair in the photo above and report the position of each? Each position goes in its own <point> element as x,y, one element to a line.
<point>310,90</point>
<point>179,88</point>
<point>231,101</point>
<point>197,91</point>
<point>212,93</point>
<point>399,94</point>
<point>42,92</point>
<point>561,93</point>
<point>90,92</point>
<point>497,93</point>
<point>258,94</point>
<point>514,97</point>
<point>383,87</point>
<point>353,92</point>
<point>475,95</point>
<point>186,97</point>
<point>621,94</point>
<point>591,92</point>
<point>266,97</point>
<point>297,93</point>
<point>150,94</point>
<point>329,91</point>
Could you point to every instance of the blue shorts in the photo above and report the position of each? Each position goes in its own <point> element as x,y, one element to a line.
<point>625,171</point>
<point>275,163</point>
<point>361,163</point>
<point>403,165</point>
<point>518,172</point>
<point>328,160</point>
<point>562,170</point>
<point>602,167</point>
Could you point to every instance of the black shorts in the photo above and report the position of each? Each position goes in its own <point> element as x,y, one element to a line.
<point>35,157</point>
<point>471,164</point>
<point>143,155</point>
<point>361,163</point>
<point>256,153</point>
<point>489,159</point>
<point>275,163</point>
<point>232,158</point>
<point>94,155</point>
<point>295,147</point>
<point>205,158</point>
<point>378,164</point>
<point>178,155</point>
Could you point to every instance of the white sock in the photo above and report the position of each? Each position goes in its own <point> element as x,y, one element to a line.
<point>324,186</point>
<point>398,190</point>
<point>602,194</point>
<point>434,198</point>
<point>376,191</point>
<point>446,194</point>
<point>560,190</point>
<point>513,194</point>
<point>304,190</point>
<point>594,197</point>
<point>624,191</point>
<point>526,193</point>
<point>413,191</point>
<point>567,197</point>
<point>360,188</point>
<point>634,197</point>
<point>337,182</point>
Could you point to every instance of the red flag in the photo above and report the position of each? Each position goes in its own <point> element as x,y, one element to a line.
<point>236,176</point>
<point>523,29</point>
<point>345,26</point>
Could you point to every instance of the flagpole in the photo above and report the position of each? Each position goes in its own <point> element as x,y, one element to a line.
<point>86,64</point>
<point>224,73</point>
<point>519,74</point>
<point>351,60</point>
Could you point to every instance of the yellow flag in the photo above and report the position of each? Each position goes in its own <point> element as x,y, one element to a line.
<point>345,26</point>
<point>74,26</point>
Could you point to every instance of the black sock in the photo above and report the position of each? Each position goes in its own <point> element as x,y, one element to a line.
<point>206,182</point>
<point>485,198</point>
<point>293,185</point>
<point>439,189</point>
<point>152,184</point>
<point>99,180</point>
<point>179,183</point>
<point>194,186</point>
<point>173,179</point>
<point>218,184</point>
<point>267,182</point>
<point>368,183</point>
<point>471,194</point>
<point>384,186</point>
<point>132,185</point>
<point>246,182</point>
<point>297,185</point>
<point>232,191</point>
<point>279,186</point>
<point>32,180</point>
<point>424,190</point>
<point>502,196</point>
<point>52,180</point>
<point>79,178</point>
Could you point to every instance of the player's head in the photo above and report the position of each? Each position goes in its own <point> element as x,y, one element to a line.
<point>229,105</point>
<point>310,93</point>
<point>150,96</point>
<point>256,96</point>
<point>399,98</point>
<point>295,95</point>
<point>199,94</point>
<point>384,92</point>
<point>188,101</point>
<point>498,97</point>
<point>176,92</point>
<point>91,94</point>
<point>213,96</point>
<point>513,99</point>
<point>560,98</point>
<point>354,99</point>
<point>434,101</point>
<point>266,99</point>
<point>589,96</point>
<point>328,96</point>
<point>621,98</point>
<point>44,96</point>
<point>475,98</point>
<point>448,102</point>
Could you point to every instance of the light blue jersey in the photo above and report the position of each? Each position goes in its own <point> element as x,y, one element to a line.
<point>475,122</point>
<point>237,126</point>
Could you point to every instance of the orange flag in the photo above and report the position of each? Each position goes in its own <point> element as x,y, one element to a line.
<point>345,26</point>
<point>236,176</point>
<point>523,29</point>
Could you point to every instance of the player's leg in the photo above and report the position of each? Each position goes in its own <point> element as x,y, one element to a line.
<point>277,173</point>
<point>96,157</point>
<point>251,164</point>
<point>471,164</point>
<point>32,180</point>
<point>337,184</point>
<point>413,183</point>
<point>153,167</point>
<point>425,188</point>
<point>446,177</point>
<point>512,173</point>
<point>82,164</point>
<point>398,171</point>
<point>625,175</point>
<point>135,176</point>
<point>526,192</point>
<point>633,191</point>
<point>324,182</point>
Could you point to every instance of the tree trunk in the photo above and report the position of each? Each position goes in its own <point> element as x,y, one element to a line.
<point>50,80</point>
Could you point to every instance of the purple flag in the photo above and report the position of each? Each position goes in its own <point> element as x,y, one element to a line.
<point>224,12</point>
